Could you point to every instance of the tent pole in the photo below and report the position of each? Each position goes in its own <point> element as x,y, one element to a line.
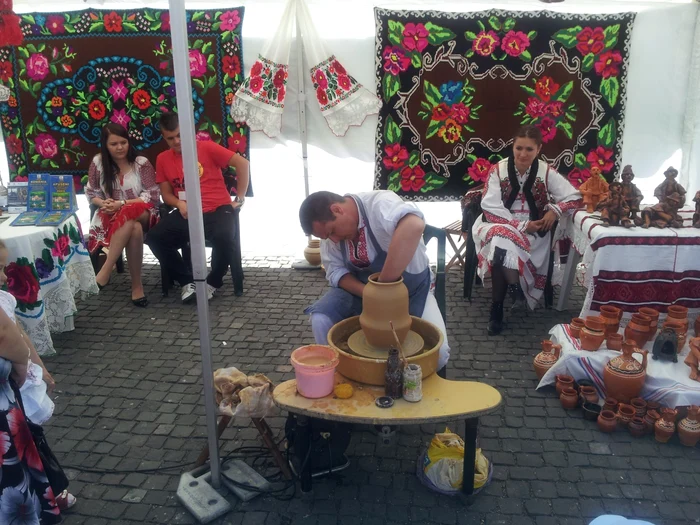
<point>183,82</point>
<point>302,107</point>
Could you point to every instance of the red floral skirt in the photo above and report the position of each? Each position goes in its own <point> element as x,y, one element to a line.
<point>103,225</point>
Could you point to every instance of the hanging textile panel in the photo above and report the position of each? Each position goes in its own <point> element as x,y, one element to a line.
<point>456,86</point>
<point>75,72</point>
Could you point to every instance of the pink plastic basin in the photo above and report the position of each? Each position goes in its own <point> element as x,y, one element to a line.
<point>314,367</point>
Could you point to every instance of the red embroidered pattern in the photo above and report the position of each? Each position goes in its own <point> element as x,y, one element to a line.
<point>362,259</point>
<point>267,82</point>
<point>332,83</point>
<point>506,233</point>
<point>570,205</point>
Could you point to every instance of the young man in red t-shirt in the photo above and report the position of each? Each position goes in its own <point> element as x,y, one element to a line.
<point>171,232</point>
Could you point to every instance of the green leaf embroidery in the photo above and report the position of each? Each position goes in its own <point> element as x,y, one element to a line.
<point>432,94</point>
<point>580,161</point>
<point>495,23</point>
<point>433,182</point>
<point>416,59</point>
<point>607,134</point>
<point>567,37</point>
<point>610,88</point>
<point>395,32</point>
<point>414,159</point>
<point>392,131</point>
<point>532,35</point>
<point>469,35</point>
<point>611,33</point>
<point>394,181</point>
<point>566,128</point>
<point>525,55</point>
<point>433,128</point>
<point>469,53</point>
<point>73,234</point>
<point>508,24</point>
<point>438,34</point>
<point>528,89</point>
<point>564,92</point>
<point>481,25</point>
<point>390,86</point>
<point>587,62</point>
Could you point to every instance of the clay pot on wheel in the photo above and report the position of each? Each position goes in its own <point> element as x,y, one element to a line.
<point>381,303</point>
<point>611,315</point>
<point>564,381</point>
<point>575,327</point>
<point>678,314</point>
<point>638,329</point>
<point>546,358</point>
<point>614,342</point>
<point>637,427</point>
<point>312,253</point>
<point>664,427</point>
<point>593,334</point>
<point>569,398</point>
<point>607,421</point>
<point>623,375</point>
<point>689,428</point>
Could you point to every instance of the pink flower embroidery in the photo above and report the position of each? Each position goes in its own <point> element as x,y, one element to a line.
<point>118,91</point>
<point>578,176</point>
<point>37,66</point>
<point>601,158</point>
<point>229,20</point>
<point>514,43</point>
<point>198,63</point>
<point>412,179</point>
<point>203,136</point>
<point>590,40</point>
<point>485,43</point>
<point>45,145</point>
<point>415,37</point>
<point>395,60</point>
<point>460,113</point>
<point>320,79</point>
<point>55,24</point>
<point>119,116</point>
<point>396,156</point>
<point>479,170</point>
<point>344,82</point>
<point>535,107</point>
<point>606,66</point>
<point>556,109</point>
<point>548,128</point>
<point>256,84</point>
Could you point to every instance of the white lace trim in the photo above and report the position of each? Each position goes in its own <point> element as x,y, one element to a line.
<point>258,118</point>
<point>352,112</point>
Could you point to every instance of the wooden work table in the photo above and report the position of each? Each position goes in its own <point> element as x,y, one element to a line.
<point>443,400</point>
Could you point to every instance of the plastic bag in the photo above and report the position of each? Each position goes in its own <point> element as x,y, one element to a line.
<point>240,395</point>
<point>38,406</point>
<point>443,464</point>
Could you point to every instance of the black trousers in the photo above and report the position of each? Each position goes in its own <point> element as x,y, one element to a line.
<point>172,233</point>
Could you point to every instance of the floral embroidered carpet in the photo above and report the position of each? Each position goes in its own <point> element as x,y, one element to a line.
<point>77,71</point>
<point>456,86</point>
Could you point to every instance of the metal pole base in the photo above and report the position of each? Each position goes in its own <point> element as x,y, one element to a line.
<point>203,502</point>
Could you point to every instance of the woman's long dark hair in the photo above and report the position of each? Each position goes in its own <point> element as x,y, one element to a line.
<point>109,168</point>
<point>529,131</point>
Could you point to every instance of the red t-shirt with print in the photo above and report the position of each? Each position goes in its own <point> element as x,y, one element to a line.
<point>212,159</point>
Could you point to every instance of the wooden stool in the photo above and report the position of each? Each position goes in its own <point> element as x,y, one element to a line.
<point>455,229</point>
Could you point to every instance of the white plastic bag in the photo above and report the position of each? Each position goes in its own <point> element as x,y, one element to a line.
<point>38,406</point>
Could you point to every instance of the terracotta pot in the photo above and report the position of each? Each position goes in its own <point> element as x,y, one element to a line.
<point>614,342</point>
<point>697,326</point>
<point>564,381</point>
<point>689,428</point>
<point>593,334</point>
<point>381,303</point>
<point>591,411</point>
<point>569,398</point>
<point>623,375</point>
<point>637,427</point>
<point>607,421</point>
<point>654,316</point>
<point>640,406</point>
<point>611,315</point>
<point>678,314</point>
<point>610,404</point>
<point>650,419</point>
<point>664,427</point>
<point>625,413</point>
<point>589,394</point>
<point>575,327</point>
<point>680,329</point>
<point>653,405</point>
<point>546,358</point>
<point>638,329</point>
<point>312,253</point>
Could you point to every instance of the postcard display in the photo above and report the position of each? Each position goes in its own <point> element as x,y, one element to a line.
<point>48,200</point>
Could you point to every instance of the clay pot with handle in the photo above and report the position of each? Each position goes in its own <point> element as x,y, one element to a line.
<point>610,403</point>
<point>623,375</point>
<point>625,413</point>
<point>593,334</point>
<point>689,428</point>
<point>546,358</point>
<point>664,427</point>
<point>611,315</point>
<point>654,316</point>
<point>564,381</point>
<point>589,394</point>
<point>638,329</point>
<point>640,406</point>
<point>637,427</point>
<point>382,303</point>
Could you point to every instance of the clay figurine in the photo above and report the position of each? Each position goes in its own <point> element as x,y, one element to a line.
<point>693,359</point>
<point>696,215</point>
<point>670,186</point>
<point>593,190</point>
<point>614,210</point>
<point>664,214</point>
<point>631,193</point>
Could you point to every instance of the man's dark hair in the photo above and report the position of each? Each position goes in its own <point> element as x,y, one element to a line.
<point>168,122</point>
<point>317,208</point>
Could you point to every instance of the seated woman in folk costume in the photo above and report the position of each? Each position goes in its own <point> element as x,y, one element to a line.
<point>124,188</point>
<point>522,200</point>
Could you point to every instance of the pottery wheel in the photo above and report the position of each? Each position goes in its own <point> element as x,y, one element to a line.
<point>358,344</point>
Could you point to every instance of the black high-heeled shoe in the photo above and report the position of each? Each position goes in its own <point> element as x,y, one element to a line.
<point>141,302</point>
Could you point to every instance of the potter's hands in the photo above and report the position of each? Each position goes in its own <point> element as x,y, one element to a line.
<point>547,221</point>
<point>182,207</point>
<point>388,277</point>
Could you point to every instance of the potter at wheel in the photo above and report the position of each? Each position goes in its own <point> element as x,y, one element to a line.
<point>357,342</point>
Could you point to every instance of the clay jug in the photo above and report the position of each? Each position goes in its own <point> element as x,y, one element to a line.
<point>664,427</point>
<point>312,253</point>
<point>564,381</point>
<point>679,314</point>
<point>680,329</point>
<point>611,316</point>
<point>607,422</point>
<point>638,329</point>
<point>654,316</point>
<point>623,375</point>
<point>689,428</point>
<point>589,394</point>
<point>546,358</point>
<point>381,303</point>
<point>569,398</point>
<point>650,419</point>
<point>575,327</point>
<point>625,413</point>
<point>593,334</point>
<point>614,342</point>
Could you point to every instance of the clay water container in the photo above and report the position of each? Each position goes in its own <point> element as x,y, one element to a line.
<point>382,303</point>
<point>546,358</point>
<point>640,406</point>
<point>614,341</point>
<point>623,375</point>
<point>569,398</point>
<point>575,327</point>
<point>312,253</point>
<point>625,413</point>
<point>650,419</point>
<point>654,316</point>
<point>638,329</point>
<point>589,394</point>
<point>689,428</point>
<point>664,427</point>
<point>637,427</point>
<point>611,315</point>
<point>593,334</point>
<point>610,403</point>
<point>607,421</point>
<point>679,314</point>
<point>564,381</point>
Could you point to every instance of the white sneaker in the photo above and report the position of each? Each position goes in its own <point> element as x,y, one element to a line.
<point>188,293</point>
<point>210,292</point>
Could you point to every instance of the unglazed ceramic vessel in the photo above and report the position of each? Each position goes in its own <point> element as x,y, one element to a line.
<point>654,316</point>
<point>637,427</point>
<point>575,327</point>
<point>593,334</point>
<point>312,253</point>
<point>650,419</point>
<point>689,428</point>
<point>569,398</point>
<point>589,394</point>
<point>638,329</point>
<point>382,303</point>
<point>623,375</point>
<point>610,403</point>
<point>564,381</point>
<point>664,427</point>
<point>611,315</point>
<point>614,341</point>
<point>625,413</point>
<point>640,406</point>
<point>607,421</point>
<point>546,358</point>
<point>679,314</point>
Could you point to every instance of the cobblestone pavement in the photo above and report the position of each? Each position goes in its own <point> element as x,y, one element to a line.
<point>129,398</point>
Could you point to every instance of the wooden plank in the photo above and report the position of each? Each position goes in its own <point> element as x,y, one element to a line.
<point>442,401</point>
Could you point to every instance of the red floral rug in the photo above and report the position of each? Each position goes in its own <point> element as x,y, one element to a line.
<point>456,86</point>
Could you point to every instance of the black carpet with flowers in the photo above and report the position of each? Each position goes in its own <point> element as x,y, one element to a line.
<point>75,72</point>
<point>456,86</point>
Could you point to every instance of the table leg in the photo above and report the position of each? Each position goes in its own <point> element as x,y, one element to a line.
<point>302,446</point>
<point>470,430</point>
<point>568,279</point>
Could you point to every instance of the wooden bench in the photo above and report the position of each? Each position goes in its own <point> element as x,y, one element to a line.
<point>443,401</point>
